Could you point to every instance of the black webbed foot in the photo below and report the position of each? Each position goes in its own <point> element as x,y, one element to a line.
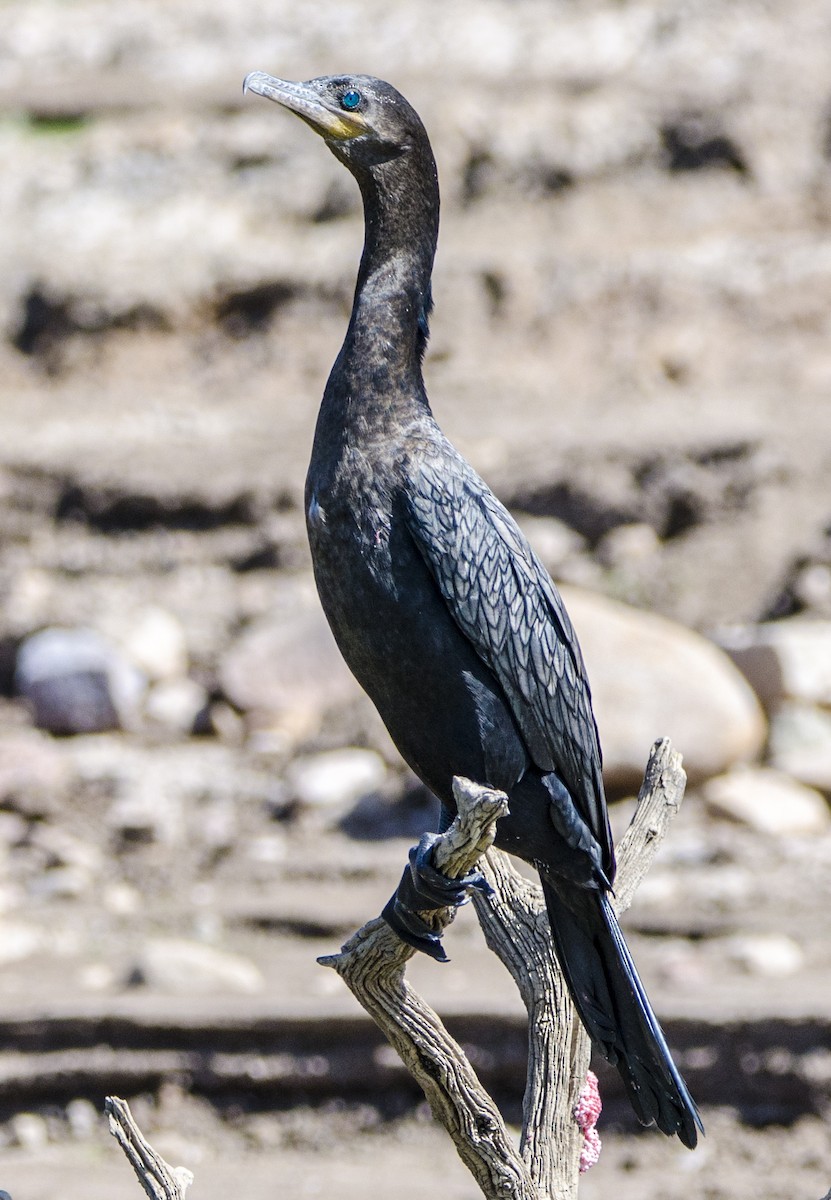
<point>430,888</point>
<point>424,889</point>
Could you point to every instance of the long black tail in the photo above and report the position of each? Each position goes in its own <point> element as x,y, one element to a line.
<point>614,1008</point>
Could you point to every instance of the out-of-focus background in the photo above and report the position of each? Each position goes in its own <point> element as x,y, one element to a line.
<point>632,342</point>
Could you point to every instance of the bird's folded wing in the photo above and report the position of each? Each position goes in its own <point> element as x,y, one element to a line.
<point>503,600</point>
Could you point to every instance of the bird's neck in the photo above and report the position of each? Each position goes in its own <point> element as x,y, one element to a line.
<point>384,344</point>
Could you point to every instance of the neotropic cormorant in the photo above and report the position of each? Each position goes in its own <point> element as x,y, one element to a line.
<point>440,607</point>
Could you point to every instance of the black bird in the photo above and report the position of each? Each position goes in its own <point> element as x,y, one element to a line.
<point>440,607</point>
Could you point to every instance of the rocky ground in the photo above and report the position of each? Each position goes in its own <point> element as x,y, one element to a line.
<point>631,341</point>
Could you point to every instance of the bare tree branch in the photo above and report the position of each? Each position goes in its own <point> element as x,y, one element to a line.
<point>159,1180</point>
<point>515,925</point>
<point>372,964</point>
<point>659,799</point>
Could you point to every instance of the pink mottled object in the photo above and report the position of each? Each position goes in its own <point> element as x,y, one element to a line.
<point>586,1111</point>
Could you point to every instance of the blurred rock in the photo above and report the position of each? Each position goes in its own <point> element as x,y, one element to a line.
<point>217,825</point>
<point>288,673</point>
<point>657,890</point>
<point>19,940</point>
<point>83,1119</point>
<point>628,545</point>
<point>34,775</point>
<point>77,682</point>
<point>147,812</point>
<point>96,977</point>
<point>70,864</point>
<point>812,588</point>
<point>768,801</point>
<point>336,779</point>
<point>784,660</point>
<point>175,704</point>
<point>268,849</point>
<point>191,968</point>
<point>64,849</point>
<point>721,888</point>
<point>652,678</point>
<point>553,541</point>
<point>408,812</point>
<point>30,1130</point>
<point>13,829</point>
<point>220,720</point>
<point>807,585</point>
<point>121,899</point>
<point>682,965</point>
<point>156,644</point>
<point>800,744</point>
<point>61,883</point>
<point>773,955</point>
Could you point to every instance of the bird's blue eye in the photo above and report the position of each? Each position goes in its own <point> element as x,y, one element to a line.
<point>350,100</point>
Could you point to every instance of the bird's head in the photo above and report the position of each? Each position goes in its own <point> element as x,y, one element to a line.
<point>363,120</point>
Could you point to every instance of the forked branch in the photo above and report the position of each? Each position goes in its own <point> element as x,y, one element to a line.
<point>372,963</point>
<point>516,928</point>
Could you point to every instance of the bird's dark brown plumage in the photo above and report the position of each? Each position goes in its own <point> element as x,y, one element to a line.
<point>439,605</point>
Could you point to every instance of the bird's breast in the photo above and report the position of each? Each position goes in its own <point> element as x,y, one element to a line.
<point>440,703</point>
<point>349,507</point>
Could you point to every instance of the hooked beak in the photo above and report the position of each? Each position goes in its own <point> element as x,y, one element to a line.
<point>303,100</point>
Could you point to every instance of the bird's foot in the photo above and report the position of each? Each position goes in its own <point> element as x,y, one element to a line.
<point>424,889</point>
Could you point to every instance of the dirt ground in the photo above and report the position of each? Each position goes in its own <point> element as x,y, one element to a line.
<point>416,1159</point>
<point>633,301</point>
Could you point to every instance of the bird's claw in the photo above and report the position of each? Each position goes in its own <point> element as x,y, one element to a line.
<point>424,889</point>
<point>413,929</point>
<point>428,888</point>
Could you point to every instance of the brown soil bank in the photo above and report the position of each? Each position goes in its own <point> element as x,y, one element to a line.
<point>631,341</point>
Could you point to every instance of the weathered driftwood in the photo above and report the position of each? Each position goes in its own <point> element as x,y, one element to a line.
<point>372,964</point>
<point>515,925</point>
<point>158,1178</point>
<point>516,929</point>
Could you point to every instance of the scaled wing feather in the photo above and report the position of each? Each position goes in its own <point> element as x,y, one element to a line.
<point>505,603</point>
